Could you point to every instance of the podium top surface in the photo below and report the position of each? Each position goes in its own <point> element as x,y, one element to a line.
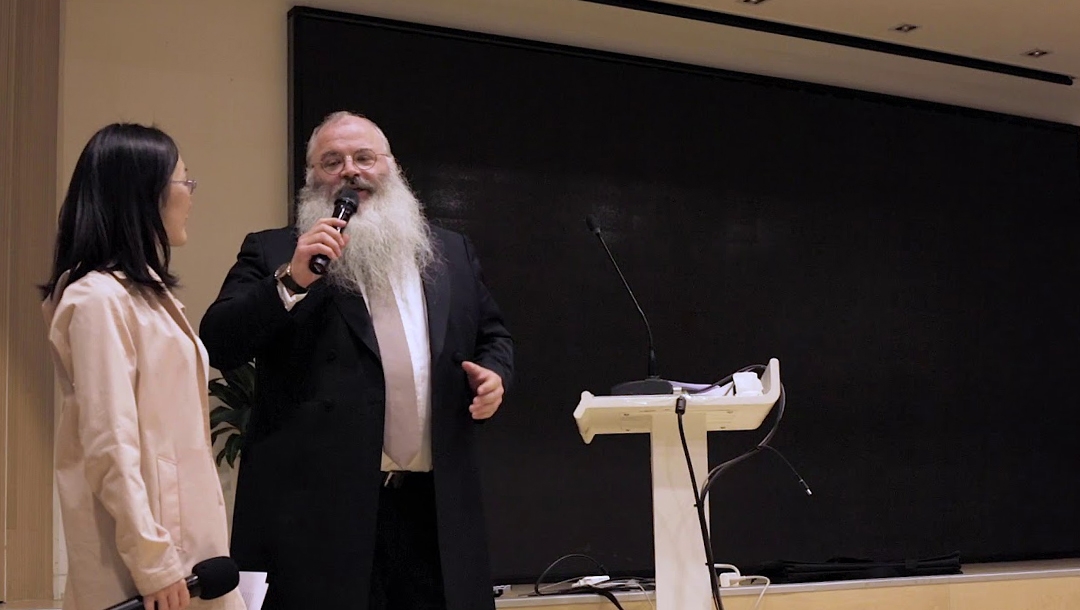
<point>634,414</point>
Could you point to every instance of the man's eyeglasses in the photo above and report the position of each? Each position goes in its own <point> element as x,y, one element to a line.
<point>364,159</point>
<point>190,184</point>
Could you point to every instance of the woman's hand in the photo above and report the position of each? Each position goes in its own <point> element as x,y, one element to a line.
<point>172,597</point>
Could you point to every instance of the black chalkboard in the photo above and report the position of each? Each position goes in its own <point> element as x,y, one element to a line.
<point>910,265</point>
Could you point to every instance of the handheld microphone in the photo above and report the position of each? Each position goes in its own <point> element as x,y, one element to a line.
<point>345,206</point>
<point>653,384</point>
<point>209,579</point>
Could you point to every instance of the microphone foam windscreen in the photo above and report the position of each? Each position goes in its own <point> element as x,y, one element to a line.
<point>217,576</point>
<point>349,198</point>
<point>590,221</point>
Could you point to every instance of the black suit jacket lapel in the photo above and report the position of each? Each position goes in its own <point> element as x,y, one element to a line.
<point>353,308</point>
<point>437,298</point>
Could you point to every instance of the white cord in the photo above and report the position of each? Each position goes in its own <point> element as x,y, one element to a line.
<point>646,592</point>
<point>734,578</point>
<point>762,594</point>
<point>728,579</point>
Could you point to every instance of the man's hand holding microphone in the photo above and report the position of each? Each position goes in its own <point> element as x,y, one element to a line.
<point>323,242</point>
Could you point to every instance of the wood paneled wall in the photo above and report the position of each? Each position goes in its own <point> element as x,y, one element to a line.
<point>29,111</point>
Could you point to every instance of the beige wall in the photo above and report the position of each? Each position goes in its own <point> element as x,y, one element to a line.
<point>213,74</point>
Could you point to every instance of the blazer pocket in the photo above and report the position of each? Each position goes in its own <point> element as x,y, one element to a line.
<point>169,497</point>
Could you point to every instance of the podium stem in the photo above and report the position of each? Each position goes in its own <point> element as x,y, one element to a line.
<point>681,583</point>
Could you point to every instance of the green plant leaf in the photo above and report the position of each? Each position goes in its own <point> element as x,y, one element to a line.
<point>242,378</point>
<point>216,433</point>
<point>232,449</point>
<point>235,389</point>
<point>225,415</point>
<point>229,396</point>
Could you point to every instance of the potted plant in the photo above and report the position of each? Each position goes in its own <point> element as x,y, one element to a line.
<point>235,390</point>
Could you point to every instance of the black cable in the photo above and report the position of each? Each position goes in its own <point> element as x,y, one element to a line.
<point>706,539</point>
<point>792,468</point>
<point>781,402</point>
<point>605,593</point>
<point>536,587</point>
<point>714,474</point>
<point>590,589</point>
<point>745,369</point>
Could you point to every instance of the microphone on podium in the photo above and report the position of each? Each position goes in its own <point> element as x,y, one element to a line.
<point>652,384</point>
<point>209,579</point>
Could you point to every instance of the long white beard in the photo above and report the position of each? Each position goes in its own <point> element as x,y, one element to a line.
<point>387,235</point>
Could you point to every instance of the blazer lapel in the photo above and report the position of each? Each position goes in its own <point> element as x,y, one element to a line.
<point>437,298</point>
<point>176,309</point>
<point>353,308</point>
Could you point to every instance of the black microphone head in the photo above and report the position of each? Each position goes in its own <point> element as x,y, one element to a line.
<point>347,200</point>
<point>590,221</point>
<point>217,576</point>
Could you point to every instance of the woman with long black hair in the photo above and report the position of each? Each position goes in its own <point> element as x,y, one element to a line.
<point>140,498</point>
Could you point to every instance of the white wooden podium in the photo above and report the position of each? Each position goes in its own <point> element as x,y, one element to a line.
<point>682,579</point>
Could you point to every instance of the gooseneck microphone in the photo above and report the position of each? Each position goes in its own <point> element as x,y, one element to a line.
<point>652,384</point>
<point>209,579</point>
<point>345,206</point>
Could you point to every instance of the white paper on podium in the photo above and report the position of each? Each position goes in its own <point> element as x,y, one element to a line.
<point>253,589</point>
<point>719,390</point>
<point>744,384</point>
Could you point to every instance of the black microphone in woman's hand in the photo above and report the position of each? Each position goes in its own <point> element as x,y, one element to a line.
<point>345,206</point>
<point>209,579</point>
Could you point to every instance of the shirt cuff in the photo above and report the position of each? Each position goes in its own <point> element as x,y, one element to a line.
<point>289,300</point>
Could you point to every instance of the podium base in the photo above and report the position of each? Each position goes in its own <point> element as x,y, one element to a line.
<point>643,387</point>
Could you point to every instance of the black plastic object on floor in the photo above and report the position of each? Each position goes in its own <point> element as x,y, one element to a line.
<point>845,568</point>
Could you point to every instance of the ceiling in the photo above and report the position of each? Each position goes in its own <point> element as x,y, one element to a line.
<point>995,30</point>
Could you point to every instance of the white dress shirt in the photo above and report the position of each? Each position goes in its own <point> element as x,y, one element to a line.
<point>409,294</point>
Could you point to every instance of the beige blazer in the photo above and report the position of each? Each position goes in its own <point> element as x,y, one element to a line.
<point>140,497</point>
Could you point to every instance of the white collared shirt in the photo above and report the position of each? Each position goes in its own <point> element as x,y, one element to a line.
<point>409,294</point>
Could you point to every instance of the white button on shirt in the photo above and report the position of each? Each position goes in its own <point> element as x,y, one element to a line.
<point>409,294</point>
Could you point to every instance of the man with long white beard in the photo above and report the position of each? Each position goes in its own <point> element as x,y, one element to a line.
<point>358,484</point>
